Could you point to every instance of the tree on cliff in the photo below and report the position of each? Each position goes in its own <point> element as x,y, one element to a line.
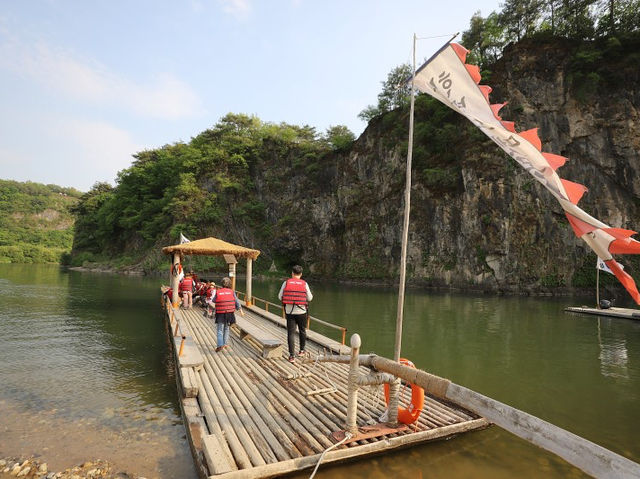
<point>394,94</point>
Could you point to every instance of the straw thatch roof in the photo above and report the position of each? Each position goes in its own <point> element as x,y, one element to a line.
<point>211,247</point>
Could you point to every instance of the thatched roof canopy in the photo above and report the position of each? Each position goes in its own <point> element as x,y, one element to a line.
<point>211,247</point>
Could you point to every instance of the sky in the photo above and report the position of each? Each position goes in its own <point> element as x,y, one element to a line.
<point>84,85</point>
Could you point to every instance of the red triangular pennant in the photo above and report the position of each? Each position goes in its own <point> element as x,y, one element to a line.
<point>555,161</point>
<point>495,108</point>
<point>574,190</point>
<point>579,227</point>
<point>474,71</point>
<point>619,233</point>
<point>624,246</point>
<point>460,51</point>
<point>509,125</point>
<point>532,137</point>
<point>626,280</point>
<point>485,89</point>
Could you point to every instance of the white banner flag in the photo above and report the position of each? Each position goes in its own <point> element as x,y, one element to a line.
<point>447,77</point>
<point>601,265</point>
<point>183,239</point>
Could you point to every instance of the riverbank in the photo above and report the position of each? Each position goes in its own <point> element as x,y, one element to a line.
<point>377,283</point>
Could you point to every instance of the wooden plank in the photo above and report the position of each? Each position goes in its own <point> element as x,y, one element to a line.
<point>271,348</point>
<point>189,384</point>
<point>191,356</point>
<point>215,456</point>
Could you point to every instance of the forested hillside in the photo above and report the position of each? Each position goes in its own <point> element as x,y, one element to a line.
<point>220,184</point>
<point>36,224</point>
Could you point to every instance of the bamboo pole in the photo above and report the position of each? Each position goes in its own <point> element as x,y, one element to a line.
<point>299,415</point>
<point>281,468</point>
<point>266,369</point>
<point>273,400</point>
<point>405,225</point>
<point>215,387</point>
<point>216,415</point>
<point>249,399</point>
<point>254,428</point>
<point>214,425</point>
<point>278,331</point>
<point>352,401</point>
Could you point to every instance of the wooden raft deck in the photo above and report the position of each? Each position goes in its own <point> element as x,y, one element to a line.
<point>611,312</point>
<point>249,416</point>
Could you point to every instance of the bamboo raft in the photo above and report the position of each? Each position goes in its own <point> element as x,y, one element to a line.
<point>251,416</point>
<point>610,312</point>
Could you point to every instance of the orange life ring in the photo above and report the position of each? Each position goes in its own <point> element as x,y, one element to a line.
<point>410,415</point>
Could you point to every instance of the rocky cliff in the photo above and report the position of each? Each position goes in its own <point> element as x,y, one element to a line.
<point>477,219</point>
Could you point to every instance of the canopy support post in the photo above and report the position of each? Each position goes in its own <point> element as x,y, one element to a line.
<point>248,288</point>
<point>175,279</point>
<point>231,263</point>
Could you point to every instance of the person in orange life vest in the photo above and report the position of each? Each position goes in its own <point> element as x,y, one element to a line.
<point>186,291</point>
<point>226,303</point>
<point>168,294</point>
<point>209,304</point>
<point>295,296</point>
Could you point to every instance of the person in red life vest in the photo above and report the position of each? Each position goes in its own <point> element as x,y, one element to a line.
<point>295,296</point>
<point>226,303</point>
<point>186,291</point>
<point>168,294</point>
<point>208,301</point>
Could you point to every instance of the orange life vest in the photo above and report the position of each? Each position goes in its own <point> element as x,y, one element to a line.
<point>295,292</point>
<point>225,301</point>
<point>186,284</point>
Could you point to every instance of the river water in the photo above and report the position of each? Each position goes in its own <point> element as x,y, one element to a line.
<point>85,373</point>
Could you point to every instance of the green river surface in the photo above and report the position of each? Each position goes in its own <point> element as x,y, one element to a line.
<point>86,373</point>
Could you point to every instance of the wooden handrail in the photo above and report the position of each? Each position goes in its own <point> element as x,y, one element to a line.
<point>242,295</point>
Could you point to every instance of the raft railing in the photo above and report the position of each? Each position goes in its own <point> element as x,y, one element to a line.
<point>241,295</point>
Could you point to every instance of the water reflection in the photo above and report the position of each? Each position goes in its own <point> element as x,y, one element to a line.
<point>613,351</point>
<point>84,358</point>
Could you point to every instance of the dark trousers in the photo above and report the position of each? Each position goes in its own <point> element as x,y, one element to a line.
<point>294,320</point>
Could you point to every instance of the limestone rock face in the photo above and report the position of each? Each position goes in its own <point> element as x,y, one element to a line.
<point>487,224</point>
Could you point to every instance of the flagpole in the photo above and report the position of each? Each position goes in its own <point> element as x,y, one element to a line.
<point>405,226</point>
<point>597,287</point>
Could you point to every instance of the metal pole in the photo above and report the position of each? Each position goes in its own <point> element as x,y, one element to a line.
<point>405,228</point>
